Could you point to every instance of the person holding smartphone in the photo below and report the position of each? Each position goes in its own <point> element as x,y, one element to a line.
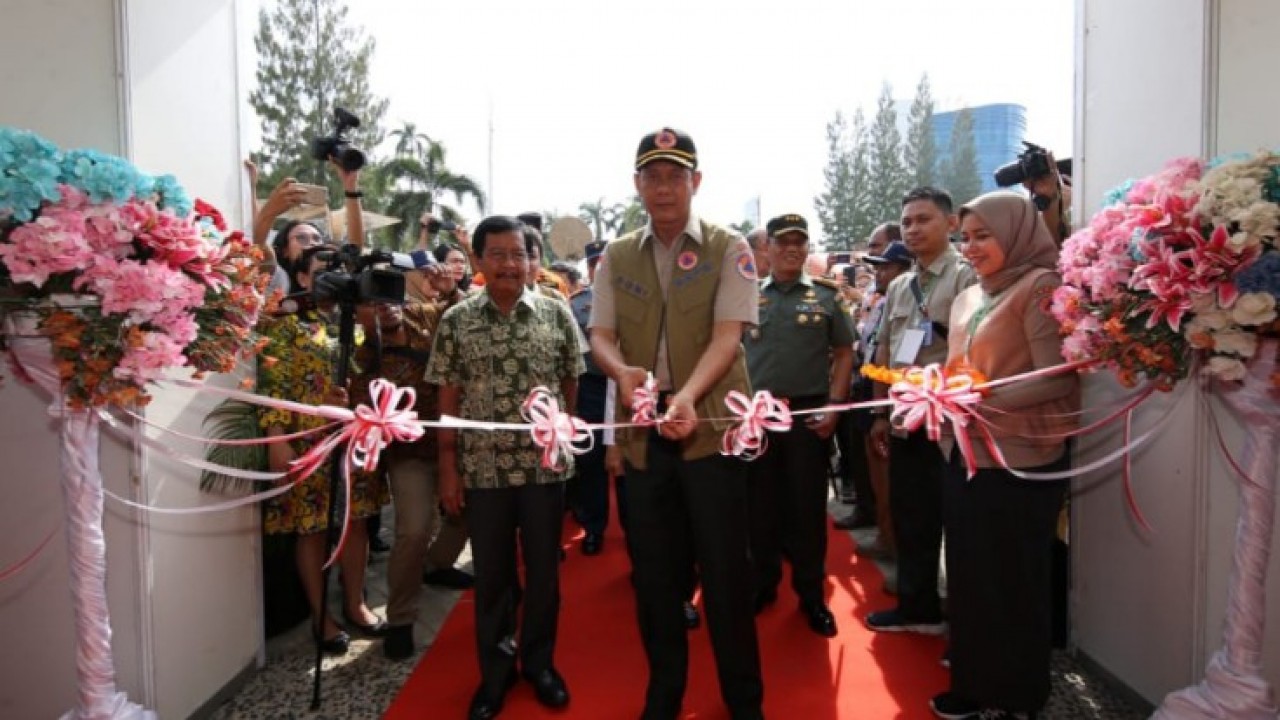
<point>802,353</point>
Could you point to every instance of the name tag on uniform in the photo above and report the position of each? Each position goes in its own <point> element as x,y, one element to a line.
<point>909,348</point>
<point>926,327</point>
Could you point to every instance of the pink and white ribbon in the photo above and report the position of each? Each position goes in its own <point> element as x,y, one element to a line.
<point>644,403</point>
<point>559,434</point>
<point>937,398</point>
<point>369,429</point>
<point>757,416</point>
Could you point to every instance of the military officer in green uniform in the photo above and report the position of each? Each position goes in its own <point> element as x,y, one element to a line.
<point>801,352</point>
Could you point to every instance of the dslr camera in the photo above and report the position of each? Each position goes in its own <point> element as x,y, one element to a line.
<point>434,226</point>
<point>350,277</point>
<point>1031,164</point>
<point>336,144</point>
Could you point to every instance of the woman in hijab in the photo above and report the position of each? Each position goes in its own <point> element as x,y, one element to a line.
<point>1000,528</point>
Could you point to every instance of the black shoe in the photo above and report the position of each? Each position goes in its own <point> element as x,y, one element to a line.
<point>893,621</point>
<point>550,688</point>
<point>820,619</point>
<point>592,544</point>
<point>374,630</point>
<point>337,645</point>
<point>483,707</point>
<point>691,618</point>
<point>765,598</point>
<point>397,643</point>
<point>449,577</point>
<point>378,545</point>
<point>950,706</point>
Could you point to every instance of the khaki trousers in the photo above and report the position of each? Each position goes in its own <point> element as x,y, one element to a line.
<point>423,538</point>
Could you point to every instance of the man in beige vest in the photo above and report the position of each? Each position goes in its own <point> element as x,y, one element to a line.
<point>673,299</point>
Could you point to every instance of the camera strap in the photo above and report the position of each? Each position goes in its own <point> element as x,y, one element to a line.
<point>938,328</point>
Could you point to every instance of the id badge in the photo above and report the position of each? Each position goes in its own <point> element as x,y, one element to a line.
<point>912,341</point>
<point>926,328</point>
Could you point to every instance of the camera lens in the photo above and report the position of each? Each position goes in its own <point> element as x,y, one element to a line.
<point>348,158</point>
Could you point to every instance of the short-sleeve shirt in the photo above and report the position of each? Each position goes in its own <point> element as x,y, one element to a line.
<point>736,292</point>
<point>789,353</point>
<point>495,359</point>
<point>939,284</point>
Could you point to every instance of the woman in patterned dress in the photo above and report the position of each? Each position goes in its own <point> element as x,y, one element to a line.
<point>298,366</point>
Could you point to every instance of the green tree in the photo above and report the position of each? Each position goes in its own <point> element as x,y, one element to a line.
<point>862,216</point>
<point>743,228</point>
<point>417,179</point>
<point>888,178</point>
<point>597,215</point>
<point>834,204</point>
<point>920,153</point>
<point>309,62</point>
<point>959,172</point>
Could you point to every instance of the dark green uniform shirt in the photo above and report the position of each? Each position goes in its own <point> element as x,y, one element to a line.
<point>789,352</point>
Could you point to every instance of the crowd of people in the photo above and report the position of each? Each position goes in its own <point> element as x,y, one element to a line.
<point>705,313</point>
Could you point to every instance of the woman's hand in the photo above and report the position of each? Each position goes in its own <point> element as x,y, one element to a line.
<point>285,196</point>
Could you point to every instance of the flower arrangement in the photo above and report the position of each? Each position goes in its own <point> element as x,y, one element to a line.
<point>1185,260</point>
<point>127,276</point>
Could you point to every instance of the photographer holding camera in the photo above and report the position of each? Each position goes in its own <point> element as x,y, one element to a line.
<point>1049,183</point>
<point>285,249</point>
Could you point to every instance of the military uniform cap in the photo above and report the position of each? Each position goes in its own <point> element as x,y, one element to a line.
<point>667,144</point>
<point>790,222</point>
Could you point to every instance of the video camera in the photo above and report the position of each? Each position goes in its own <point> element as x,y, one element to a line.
<point>335,145</point>
<point>349,276</point>
<point>1031,164</point>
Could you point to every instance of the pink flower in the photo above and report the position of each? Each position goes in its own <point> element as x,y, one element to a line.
<point>147,359</point>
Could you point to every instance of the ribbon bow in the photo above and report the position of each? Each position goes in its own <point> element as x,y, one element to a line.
<point>644,403</point>
<point>370,429</point>
<point>759,414</point>
<point>928,396</point>
<point>554,431</point>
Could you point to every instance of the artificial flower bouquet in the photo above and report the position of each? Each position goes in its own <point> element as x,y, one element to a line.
<point>127,276</point>
<point>1185,262</point>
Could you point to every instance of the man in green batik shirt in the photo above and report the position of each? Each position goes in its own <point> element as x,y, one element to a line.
<point>491,349</point>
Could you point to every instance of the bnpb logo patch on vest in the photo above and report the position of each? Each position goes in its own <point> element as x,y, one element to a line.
<point>747,266</point>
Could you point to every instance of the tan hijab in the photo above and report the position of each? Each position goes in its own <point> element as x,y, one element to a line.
<point>1021,233</point>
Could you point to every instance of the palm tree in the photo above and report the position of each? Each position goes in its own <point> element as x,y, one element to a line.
<point>595,214</point>
<point>417,177</point>
<point>410,142</point>
<point>743,228</point>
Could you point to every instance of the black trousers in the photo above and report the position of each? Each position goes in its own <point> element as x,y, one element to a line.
<point>1000,535</point>
<point>682,512</point>
<point>788,509</point>
<point>851,439</point>
<point>591,481</point>
<point>915,483</point>
<point>494,516</point>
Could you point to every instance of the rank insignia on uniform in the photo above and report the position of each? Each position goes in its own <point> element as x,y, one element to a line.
<point>802,319</point>
<point>687,260</point>
<point>811,295</point>
<point>747,267</point>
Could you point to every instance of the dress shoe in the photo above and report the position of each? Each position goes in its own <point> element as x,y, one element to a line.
<point>336,645</point>
<point>483,707</point>
<point>592,544</point>
<point>691,618</point>
<point>765,598</point>
<point>375,629</point>
<point>820,619</point>
<point>397,644</point>
<point>549,687</point>
<point>450,577</point>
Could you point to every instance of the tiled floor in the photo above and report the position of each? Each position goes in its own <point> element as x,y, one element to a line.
<point>360,685</point>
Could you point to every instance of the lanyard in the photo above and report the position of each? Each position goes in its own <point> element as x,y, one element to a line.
<point>922,295</point>
<point>988,304</point>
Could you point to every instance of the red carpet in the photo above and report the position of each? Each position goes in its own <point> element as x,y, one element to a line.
<point>857,674</point>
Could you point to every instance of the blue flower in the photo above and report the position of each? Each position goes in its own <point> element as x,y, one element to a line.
<point>1262,276</point>
<point>29,173</point>
<point>173,196</point>
<point>1117,194</point>
<point>102,177</point>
